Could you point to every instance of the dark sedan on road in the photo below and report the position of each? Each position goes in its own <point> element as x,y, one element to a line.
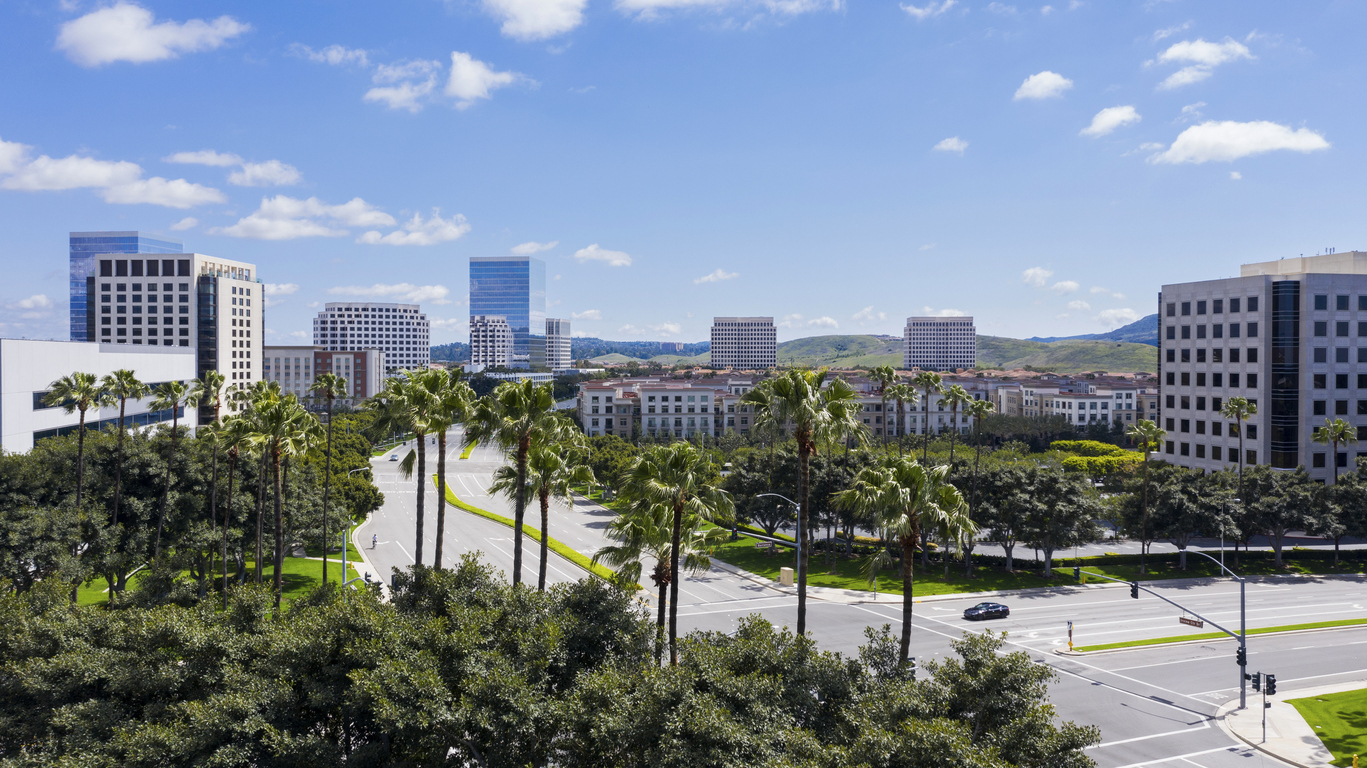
<point>987,611</point>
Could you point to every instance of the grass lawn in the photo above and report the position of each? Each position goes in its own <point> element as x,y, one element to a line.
<point>469,449</point>
<point>335,552</point>
<point>1249,567</point>
<point>299,575</point>
<point>1340,720</point>
<point>1219,635</point>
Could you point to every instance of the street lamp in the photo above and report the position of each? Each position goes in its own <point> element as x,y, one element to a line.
<point>800,532</point>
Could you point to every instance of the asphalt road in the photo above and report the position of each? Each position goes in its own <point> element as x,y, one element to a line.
<point>1155,706</point>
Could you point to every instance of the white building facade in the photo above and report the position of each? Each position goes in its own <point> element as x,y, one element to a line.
<point>558,354</point>
<point>295,368</point>
<point>401,332</point>
<point>491,341</point>
<point>940,343</point>
<point>744,343</point>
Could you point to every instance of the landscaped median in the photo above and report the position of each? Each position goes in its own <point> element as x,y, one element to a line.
<point>1220,635</point>
<point>560,548</point>
<point>469,449</point>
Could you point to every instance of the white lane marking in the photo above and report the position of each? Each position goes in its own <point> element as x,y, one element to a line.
<point>1291,680</point>
<point>405,551</point>
<point>1204,726</point>
<point>1230,748</point>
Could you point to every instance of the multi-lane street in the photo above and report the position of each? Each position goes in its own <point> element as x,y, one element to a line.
<point>1155,706</point>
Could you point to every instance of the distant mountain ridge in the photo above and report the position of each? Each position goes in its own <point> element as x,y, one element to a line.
<point>1142,331</point>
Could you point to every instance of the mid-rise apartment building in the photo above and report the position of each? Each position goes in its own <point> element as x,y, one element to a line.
<point>744,343</point>
<point>1082,401</point>
<point>401,332</point>
<point>295,368</point>
<point>558,354</point>
<point>657,407</point>
<point>940,343</point>
<point>1288,335</point>
<point>491,341</point>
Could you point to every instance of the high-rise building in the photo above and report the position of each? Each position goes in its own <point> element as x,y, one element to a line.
<point>85,250</point>
<point>189,300</point>
<point>744,343</point>
<point>558,355</point>
<point>1288,335</point>
<point>400,331</point>
<point>295,368</point>
<point>491,341</point>
<point>940,343</point>
<point>513,287</point>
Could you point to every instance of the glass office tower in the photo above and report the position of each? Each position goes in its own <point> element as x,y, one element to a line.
<point>85,246</point>
<point>515,288</point>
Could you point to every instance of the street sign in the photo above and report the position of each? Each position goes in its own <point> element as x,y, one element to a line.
<point>764,545</point>
<point>1191,622</point>
<point>1070,635</point>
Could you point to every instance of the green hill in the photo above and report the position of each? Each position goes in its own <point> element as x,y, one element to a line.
<point>1067,356</point>
<point>847,351</point>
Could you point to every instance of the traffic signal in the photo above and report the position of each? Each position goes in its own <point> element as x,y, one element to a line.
<point>1257,681</point>
<point>1077,573</point>
<point>1241,656</point>
<point>1134,590</point>
<point>1271,685</point>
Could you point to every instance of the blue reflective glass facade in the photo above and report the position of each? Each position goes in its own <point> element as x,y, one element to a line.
<point>514,287</point>
<point>85,246</point>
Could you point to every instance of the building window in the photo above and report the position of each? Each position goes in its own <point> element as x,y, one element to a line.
<point>1340,380</point>
<point>1317,460</point>
<point>1186,308</point>
<point>1320,381</point>
<point>1252,380</point>
<point>1172,332</point>
<point>1172,355</point>
<point>1186,427</point>
<point>1186,331</point>
<point>1321,327</point>
<point>1172,307</point>
<point>1217,306</point>
<point>1319,407</point>
<point>1186,449</point>
<point>1321,354</point>
<point>1340,407</point>
<point>1341,355</point>
<point>1321,301</point>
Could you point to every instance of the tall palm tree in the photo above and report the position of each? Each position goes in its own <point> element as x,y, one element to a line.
<point>1239,409</point>
<point>122,385</point>
<point>957,397</point>
<point>684,479</point>
<point>1149,436</point>
<point>902,393</point>
<point>249,401</point>
<point>977,410</point>
<point>208,390</point>
<point>406,405</point>
<point>172,395</point>
<point>1334,433</point>
<point>283,429</point>
<point>820,415</point>
<point>328,387</point>
<point>77,392</point>
<point>930,383</point>
<point>886,376</point>
<point>515,416</point>
<point>552,470</point>
<point>236,432</point>
<point>647,530</point>
<point>452,399</point>
<point>899,496</point>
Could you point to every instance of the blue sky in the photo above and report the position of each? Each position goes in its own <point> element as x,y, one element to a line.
<point>839,165</point>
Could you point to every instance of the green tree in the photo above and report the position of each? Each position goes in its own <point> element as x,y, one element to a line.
<point>553,469</point>
<point>77,392</point>
<point>328,387</point>
<point>1334,433</point>
<point>172,396</point>
<point>1062,512</point>
<point>407,405</point>
<point>451,401</point>
<point>957,397</point>
<point>1148,436</point>
<point>886,376</point>
<point>976,410</point>
<point>122,385</point>
<point>930,383</point>
<point>902,394</point>
<point>1238,409</point>
<point>283,428</point>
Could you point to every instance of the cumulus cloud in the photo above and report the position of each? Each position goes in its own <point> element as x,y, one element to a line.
<point>930,10</point>
<point>716,277</point>
<point>1235,175</point>
<point>932,312</point>
<point>36,301</point>
<point>472,79</point>
<point>172,193</point>
<point>115,181</point>
<point>867,315</point>
<point>588,314</point>
<point>1226,141</point>
<point>407,292</point>
<point>823,322</point>
<point>280,289</point>
<point>1079,306</point>
<point>526,249</point>
<point>1109,119</point>
<point>128,32</point>
<point>271,173</point>
<point>1002,9</point>
<point>205,157</point>
<point>951,144</point>
<point>757,9</point>
<point>336,55</point>
<point>1115,317</point>
<point>594,253</point>
<point>189,222</point>
<point>1065,286</point>
<point>410,96</point>
<point>536,19</point>
<point>667,329</point>
<point>286,218</point>
<point>1202,57</point>
<point>1161,34</point>
<point>1037,276</point>
<point>416,231</point>
<point>798,321</point>
<point>1043,85</point>
<point>1097,289</point>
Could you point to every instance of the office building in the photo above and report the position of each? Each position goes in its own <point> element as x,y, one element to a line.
<point>558,355</point>
<point>744,343</point>
<point>940,343</point>
<point>657,407</point>
<point>28,368</point>
<point>491,341</point>
<point>514,288</point>
<point>295,368</point>
<point>85,250</point>
<point>400,331</point>
<point>1288,335</point>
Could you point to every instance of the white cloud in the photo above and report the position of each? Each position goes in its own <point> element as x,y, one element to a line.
<point>35,307</point>
<point>526,249</point>
<point>1046,10</point>
<point>1097,289</point>
<point>335,55</point>
<point>286,218</point>
<point>1235,175</point>
<point>1184,76</point>
<point>594,253</point>
<point>1202,57</point>
<point>271,173</point>
<point>280,289</point>
<point>588,314</point>
<point>117,181</point>
<point>536,19</point>
<point>1109,119</point>
<point>931,9</point>
<point>409,293</point>
<point>716,277</point>
<point>951,144</point>
<point>866,316</point>
<point>667,329</point>
<point>650,9</point>
<point>415,231</point>
<point>630,329</point>
<point>13,156</point>
<point>1079,306</point>
<point>409,96</point>
<point>172,193</point>
<point>798,321</point>
<point>932,312</point>
<point>1161,34</point>
<point>204,157</point>
<point>1037,276</point>
<point>128,32</point>
<point>472,79</point>
<point>927,247</point>
<point>1043,85</point>
<point>1002,9</point>
<point>823,322</point>
<point>189,222</point>
<point>1226,141</point>
<point>405,70</point>
<point>1065,286</point>
<point>1114,317</point>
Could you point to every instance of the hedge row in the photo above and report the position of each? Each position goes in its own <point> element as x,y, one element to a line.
<point>1088,448</point>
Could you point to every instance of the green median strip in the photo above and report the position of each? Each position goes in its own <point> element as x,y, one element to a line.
<point>469,449</point>
<point>1337,720</point>
<point>1220,635</point>
<point>560,548</point>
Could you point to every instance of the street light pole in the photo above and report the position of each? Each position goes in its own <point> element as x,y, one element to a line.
<point>346,536</point>
<point>800,533</point>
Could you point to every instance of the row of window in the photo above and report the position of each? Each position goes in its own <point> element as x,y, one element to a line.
<point>1185,401</point>
<point>1217,306</point>
<point>1250,455</point>
<point>1217,331</point>
<point>1216,380</point>
<point>1217,355</point>
<point>1216,428</point>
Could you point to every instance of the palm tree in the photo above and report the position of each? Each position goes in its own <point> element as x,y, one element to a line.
<point>957,397</point>
<point>552,470</point>
<point>977,410</point>
<point>1149,436</point>
<point>1239,409</point>
<point>406,405</point>
<point>515,416</point>
<point>236,431</point>
<point>899,497</point>
<point>451,405</point>
<point>250,401</point>
<point>122,385</point>
<point>172,395</point>
<point>886,376</point>
<point>646,530</point>
<point>929,382</point>
<point>683,479</point>
<point>1334,433</point>
<point>283,428</point>
<point>820,416</point>
<point>329,387</point>
<point>209,391</point>
<point>77,392</point>
<point>902,393</point>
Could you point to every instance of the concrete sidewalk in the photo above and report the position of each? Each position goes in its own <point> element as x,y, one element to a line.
<point>1289,737</point>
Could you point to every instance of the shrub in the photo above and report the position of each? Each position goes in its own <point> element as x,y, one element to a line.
<point>1088,448</point>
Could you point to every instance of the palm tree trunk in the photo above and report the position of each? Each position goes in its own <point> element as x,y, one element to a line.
<point>227,516</point>
<point>925,431</point>
<point>279,525</point>
<point>80,458</point>
<point>422,493</point>
<point>674,584</point>
<point>213,514</point>
<point>260,510</point>
<point>118,464</point>
<point>973,498</point>
<point>441,498</point>
<point>660,628</point>
<point>166,491</point>
<point>1144,527</point>
<point>953,430</point>
<point>908,562</point>
<point>520,507</point>
<point>545,525</point>
<point>803,492</point>
<point>327,487</point>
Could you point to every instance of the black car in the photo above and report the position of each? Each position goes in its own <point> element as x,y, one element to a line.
<point>987,611</point>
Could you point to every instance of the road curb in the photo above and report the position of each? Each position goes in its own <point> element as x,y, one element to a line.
<point>1225,709</point>
<point>1224,639</point>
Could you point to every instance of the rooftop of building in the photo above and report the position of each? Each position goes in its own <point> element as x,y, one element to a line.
<point>1346,263</point>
